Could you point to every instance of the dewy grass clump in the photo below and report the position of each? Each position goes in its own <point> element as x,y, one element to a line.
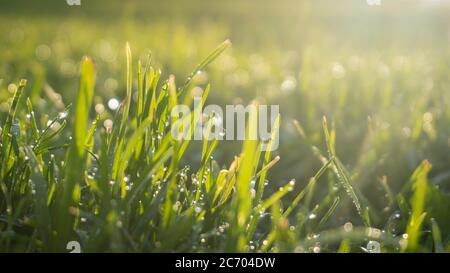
<point>68,181</point>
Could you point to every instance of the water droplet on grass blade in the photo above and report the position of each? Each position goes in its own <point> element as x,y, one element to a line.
<point>316,249</point>
<point>15,129</point>
<point>373,247</point>
<point>113,104</point>
<point>62,115</point>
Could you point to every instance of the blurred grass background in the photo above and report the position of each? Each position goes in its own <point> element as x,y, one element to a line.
<point>379,73</point>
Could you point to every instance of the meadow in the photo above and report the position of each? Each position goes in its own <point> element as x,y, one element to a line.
<point>86,152</point>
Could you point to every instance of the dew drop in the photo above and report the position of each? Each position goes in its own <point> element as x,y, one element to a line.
<point>373,247</point>
<point>113,104</point>
<point>62,115</point>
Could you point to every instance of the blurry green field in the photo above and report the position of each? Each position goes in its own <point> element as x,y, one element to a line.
<point>379,74</point>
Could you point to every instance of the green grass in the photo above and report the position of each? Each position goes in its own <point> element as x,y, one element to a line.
<point>123,188</point>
